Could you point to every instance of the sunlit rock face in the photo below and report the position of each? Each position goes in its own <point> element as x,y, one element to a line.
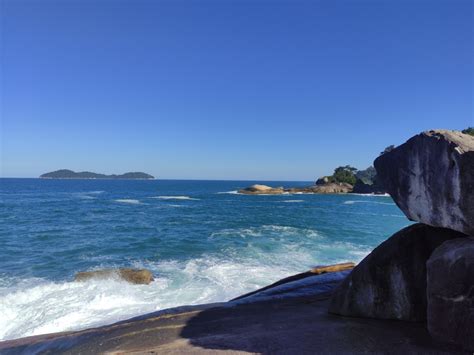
<point>431,179</point>
<point>450,292</point>
<point>390,283</point>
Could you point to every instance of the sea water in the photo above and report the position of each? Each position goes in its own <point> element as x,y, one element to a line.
<point>202,240</point>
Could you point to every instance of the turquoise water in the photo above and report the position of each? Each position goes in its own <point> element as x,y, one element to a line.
<point>203,242</point>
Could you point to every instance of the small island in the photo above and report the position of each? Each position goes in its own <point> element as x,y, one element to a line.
<point>69,174</point>
<point>345,179</point>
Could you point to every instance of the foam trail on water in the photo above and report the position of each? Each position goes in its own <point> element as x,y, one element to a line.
<point>175,198</point>
<point>351,202</point>
<point>272,252</point>
<point>128,200</point>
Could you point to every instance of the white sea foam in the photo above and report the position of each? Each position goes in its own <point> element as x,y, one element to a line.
<point>233,192</point>
<point>293,201</point>
<point>272,252</point>
<point>87,197</point>
<point>128,200</point>
<point>175,198</point>
<point>53,307</point>
<point>351,202</point>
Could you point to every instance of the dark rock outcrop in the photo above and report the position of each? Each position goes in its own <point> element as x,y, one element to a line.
<point>431,179</point>
<point>361,187</point>
<point>450,292</point>
<point>322,180</point>
<point>390,283</point>
<point>134,276</point>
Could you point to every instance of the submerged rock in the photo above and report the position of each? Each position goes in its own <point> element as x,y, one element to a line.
<point>134,276</point>
<point>450,292</point>
<point>431,179</point>
<point>390,283</point>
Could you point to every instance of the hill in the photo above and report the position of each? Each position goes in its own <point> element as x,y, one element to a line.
<point>69,174</point>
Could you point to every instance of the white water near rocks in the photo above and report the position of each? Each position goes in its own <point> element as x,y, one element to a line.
<point>213,248</point>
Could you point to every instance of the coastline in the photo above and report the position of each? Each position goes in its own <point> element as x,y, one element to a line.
<point>287,321</point>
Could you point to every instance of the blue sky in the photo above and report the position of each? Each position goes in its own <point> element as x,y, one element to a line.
<point>266,90</point>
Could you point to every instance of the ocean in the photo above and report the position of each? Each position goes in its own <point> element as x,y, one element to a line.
<point>202,241</point>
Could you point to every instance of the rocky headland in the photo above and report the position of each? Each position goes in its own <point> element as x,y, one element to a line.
<point>329,188</point>
<point>412,294</point>
<point>345,179</point>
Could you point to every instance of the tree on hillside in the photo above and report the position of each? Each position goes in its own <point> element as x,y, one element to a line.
<point>468,130</point>
<point>345,174</point>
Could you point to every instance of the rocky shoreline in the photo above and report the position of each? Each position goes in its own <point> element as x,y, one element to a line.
<point>413,293</point>
<point>289,316</point>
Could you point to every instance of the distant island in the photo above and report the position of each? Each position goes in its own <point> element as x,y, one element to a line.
<point>69,174</point>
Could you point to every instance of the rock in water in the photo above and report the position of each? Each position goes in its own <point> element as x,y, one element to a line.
<point>390,283</point>
<point>431,179</point>
<point>450,292</point>
<point>134,276</point>
<point>262,189</point>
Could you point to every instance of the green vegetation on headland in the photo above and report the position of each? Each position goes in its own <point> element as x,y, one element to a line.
<point>345,179</point>
<point>468,130</point>
<point>69,174</point>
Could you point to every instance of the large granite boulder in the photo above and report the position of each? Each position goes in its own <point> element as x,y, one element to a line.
<point>450,292</point>
<point>390,283</point>
<point>431,179</point>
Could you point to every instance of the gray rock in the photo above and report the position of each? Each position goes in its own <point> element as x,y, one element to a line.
<point>431,179</point>
<point>450,292</point>
<point>390,283</point>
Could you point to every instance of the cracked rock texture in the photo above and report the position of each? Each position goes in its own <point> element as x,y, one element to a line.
<point>450,292</point>
<point>431,179</point>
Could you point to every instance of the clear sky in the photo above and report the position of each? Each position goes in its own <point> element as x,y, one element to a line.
<point>278,90</point>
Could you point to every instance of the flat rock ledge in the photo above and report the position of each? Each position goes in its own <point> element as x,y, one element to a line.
<point>329,188</point>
